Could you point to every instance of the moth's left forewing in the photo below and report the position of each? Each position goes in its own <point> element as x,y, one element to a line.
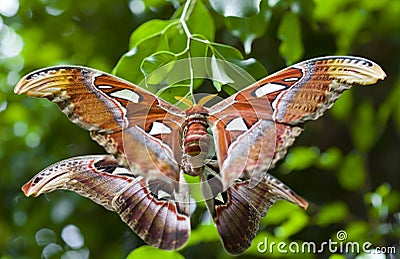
<point>79,95</point>
<point>120,116</point>
<point>91,99</point>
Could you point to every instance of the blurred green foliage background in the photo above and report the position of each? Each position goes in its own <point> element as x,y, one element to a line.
<point>346,164</point>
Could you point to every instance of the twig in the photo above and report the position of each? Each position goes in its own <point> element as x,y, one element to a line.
<point>187,10</point>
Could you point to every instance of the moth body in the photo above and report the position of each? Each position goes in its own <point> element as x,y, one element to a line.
<point>195,140</point>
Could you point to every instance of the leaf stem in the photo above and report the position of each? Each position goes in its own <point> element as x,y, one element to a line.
<point>187,10</point>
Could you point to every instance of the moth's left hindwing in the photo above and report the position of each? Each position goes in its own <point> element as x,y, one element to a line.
<point>157,212</point>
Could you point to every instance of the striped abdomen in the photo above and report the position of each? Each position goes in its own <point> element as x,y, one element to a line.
<point>196,141</point>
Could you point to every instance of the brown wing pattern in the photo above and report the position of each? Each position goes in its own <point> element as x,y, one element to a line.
<point>159,220</point>
<point>98,102</point>
<point>305,90</point>
<point>300,93</point>
<point>238,210</point>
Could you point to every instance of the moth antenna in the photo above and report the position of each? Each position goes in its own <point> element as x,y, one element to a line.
<point>185,100</point>
<point>206,99</point>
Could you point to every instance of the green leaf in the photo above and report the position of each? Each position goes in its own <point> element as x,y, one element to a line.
<point>150,29</point>
<point>346,25</point>
<point>180,72</point>
<point>3,102</point>
<point>226,52</point>
<point>15,112</point>
<point>389,108</point>
<point>219,75</point>
<point>344,22</point>
<point>364,129</point>
<point>343,108</point>
<point>392,201</point>
<point>383,201</point>
<point>249,28</point>
<point>146,252</point>
<point>236,8</point>
<point>289,32</point>
<point>229,89</point>
<point>201,22</point>
<point>330,159</point>
<point>128,67</point>
<point>300,158</point>
<point>243,72</point>
<point>252,66</point>
<point>383,190</point>
<point>203,233</point>
<point>170,92</point>
<point>156,4</point>
<point>194,187</point>
<point>198,48</point>
<point>296,222</point>
<point>352,174</point>
<point>326,10</point>
<point>157,66</point>
<point>396,113</point>
<point>332,213</point>
<point>149,38</point>
<point>358,231</point>
<point>279,212</point>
